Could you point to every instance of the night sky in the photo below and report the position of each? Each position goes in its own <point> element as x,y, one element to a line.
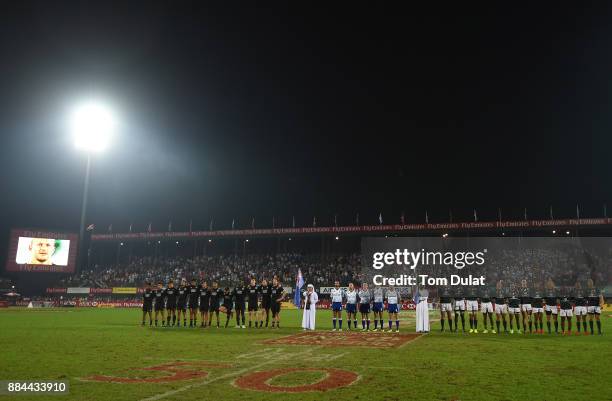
<point>269,111</point>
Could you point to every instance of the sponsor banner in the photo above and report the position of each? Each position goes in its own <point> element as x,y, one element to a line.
<point>124,290</point>
<point>326,304</point>
<point>77,290</point>
<point>101,290</point>
<point>404,291</point>
<point>119,304</point>
<point>412,228</point>
<point>56,290</point>
<point>288,305</point>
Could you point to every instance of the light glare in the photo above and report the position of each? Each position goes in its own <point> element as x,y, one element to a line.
<point>92,125</point>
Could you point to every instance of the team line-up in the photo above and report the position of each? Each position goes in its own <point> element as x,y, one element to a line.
<point>522,307</point>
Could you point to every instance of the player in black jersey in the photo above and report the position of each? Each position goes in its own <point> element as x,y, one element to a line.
<point>228,301</point>
<point>537,310</point>
<point>147,304</point>
<point>501,307</point>
<point>595,304</point>
<point>216,295</point>
<point>486,307</point>
<point>446,308</point>
<point>160,297</point>
<point>459,308</point>
<point>265,302</point>
<point>277,294</point>
<point>566,312</point>
<point>239,294</point>
<point>551,309</point>
<point>171,295</point>
<point>253,291</point>
<point>181,304</point>
<point>514,311</point>
<point>192,303</point>
<point>204,303</point>
<point>525,296</point>
<point>471,304</point>
<point>580,308</point>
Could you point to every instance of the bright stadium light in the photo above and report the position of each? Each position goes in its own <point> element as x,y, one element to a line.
<point>92,125</point>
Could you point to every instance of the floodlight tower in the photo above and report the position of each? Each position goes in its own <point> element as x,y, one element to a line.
<point>92,125</point>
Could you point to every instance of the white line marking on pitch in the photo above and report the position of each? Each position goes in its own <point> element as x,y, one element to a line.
<point>230,374</point>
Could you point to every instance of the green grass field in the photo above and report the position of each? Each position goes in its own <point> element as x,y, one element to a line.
<point>74,344</point>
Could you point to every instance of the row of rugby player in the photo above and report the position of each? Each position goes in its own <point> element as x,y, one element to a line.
<point>172,303</point>
<point>525,308</point>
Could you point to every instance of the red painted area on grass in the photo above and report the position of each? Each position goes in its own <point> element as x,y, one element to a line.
<point>345,339</point>
<point>259,381</point>
<point>177,371</point>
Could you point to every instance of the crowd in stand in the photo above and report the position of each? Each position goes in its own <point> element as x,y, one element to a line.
<point>226,270</point>
<point>564,266</point>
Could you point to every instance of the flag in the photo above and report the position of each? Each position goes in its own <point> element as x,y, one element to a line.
<point>91,227</point>
<point>475,215</point>
<point>336,220</point>
<point>357,219</point>
<point>380,220</point>
<point>130,227</point>
<point>551,213</point>
<point>233,223</point>
<point>426,217</point>
<point>403,218</point>
<point>149,227</point>
<point>210,226</point>
<point>577,214</point>
<point>525,214</point>
<point>299,283</point>
<point>253,222</point>
<point>314,221</point>
<point>110,228</point>
<point>170,225</point>
<point>293,221</point>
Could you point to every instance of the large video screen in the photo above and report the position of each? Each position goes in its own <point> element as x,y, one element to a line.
<point>42,251</point>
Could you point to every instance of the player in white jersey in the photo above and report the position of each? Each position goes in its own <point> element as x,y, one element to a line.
<point>351,305</point>
<point>393,300</point>
<point>365,297</point>
<point>378,307</point>
<point>336,295</point>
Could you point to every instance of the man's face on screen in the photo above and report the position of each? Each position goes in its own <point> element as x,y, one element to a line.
<point>42,249</point>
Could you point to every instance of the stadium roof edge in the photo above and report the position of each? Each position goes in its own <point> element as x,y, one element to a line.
<point>368,229</point>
